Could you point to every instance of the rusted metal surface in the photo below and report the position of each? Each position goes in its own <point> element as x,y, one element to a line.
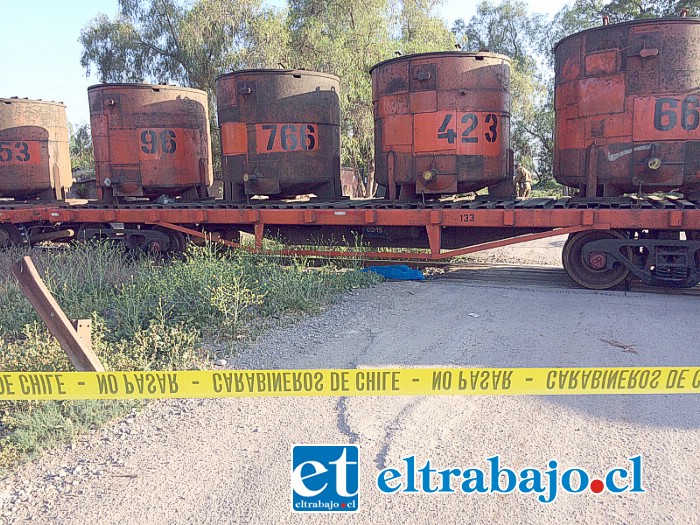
<point>34,153</point>
<point>393,224</point>
<point>150,140</point>
<point>434,230</point>
<point>73,336</point>
<point>442,123</point>
<point>280,133</point>
<point>627,102</point>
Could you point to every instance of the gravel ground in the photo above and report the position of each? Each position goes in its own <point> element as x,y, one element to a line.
<point>545,252</point>
<point>227,461</point>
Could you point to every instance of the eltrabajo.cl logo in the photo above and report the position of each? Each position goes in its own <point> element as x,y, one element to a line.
<point>325,478</point>
<point>496,479</point>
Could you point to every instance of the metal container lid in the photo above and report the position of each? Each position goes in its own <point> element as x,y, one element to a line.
<point>155,87</point>
<point>15,100</point>
<point>443,54</point>
<point>672,20</point>
<point>304,72</point>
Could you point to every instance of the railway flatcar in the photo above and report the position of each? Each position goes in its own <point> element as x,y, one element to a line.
<point>620,133</point>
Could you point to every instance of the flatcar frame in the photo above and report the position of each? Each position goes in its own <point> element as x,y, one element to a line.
<point>440,230</point>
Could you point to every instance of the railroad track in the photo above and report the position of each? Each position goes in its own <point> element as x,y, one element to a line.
<point>503,274</point>
<point>499,274</point>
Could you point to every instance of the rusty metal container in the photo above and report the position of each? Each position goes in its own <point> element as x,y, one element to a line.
<point>150,140</point>
<point>442,123</point>
<point>627,104</point>
<point>280,133</point>
<point>34,152</point>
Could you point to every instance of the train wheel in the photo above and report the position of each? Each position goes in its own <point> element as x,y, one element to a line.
<point>177,244</point>
<point>592,272</point>
<point>178,241</point>
<point>9,236</point>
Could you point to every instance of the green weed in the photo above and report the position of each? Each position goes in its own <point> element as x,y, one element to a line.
<point>146,315</point>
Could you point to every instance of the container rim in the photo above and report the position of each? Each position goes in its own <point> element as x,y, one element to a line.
<point>440,54</point>
<point>667,19</point>
<point>138,85</point>
<point>269,71</point>
<point>13,100</point>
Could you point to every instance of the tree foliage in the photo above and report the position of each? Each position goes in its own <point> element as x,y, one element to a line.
<point>508,28</point>
<point>419,30</point>
<point>187,43</point>
<point>80,146</point>
<point>190,43</point>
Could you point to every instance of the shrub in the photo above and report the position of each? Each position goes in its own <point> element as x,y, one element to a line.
<point>147,314</point>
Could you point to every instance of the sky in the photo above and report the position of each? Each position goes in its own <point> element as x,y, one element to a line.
<point>41,54</point>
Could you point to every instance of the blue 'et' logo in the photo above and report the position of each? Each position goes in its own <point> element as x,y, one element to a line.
<point>325,478</point>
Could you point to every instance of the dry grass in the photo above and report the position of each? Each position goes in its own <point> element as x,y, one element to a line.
<point>147,314</point>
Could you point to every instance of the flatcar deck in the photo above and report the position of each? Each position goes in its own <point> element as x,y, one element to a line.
<point>424,230</point>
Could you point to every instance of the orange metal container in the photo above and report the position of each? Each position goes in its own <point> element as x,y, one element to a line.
<point>280,133</point>
<point>442,123</point>
<point>627,104</point>
<point>34,152</point>
<point>150,140</point>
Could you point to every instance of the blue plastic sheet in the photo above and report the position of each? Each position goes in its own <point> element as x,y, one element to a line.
<point>399,272</point>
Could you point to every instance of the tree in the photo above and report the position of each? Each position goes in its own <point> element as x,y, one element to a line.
<point>419,30</point>
<point>80,146</point>
<point>347,39</point>
<point>508,28</point>
<point>583,14</point>
<point>187,43</point>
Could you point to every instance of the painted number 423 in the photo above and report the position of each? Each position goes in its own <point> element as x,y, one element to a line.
<point>468,125</point>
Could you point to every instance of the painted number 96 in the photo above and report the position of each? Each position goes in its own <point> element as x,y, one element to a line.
<point>153,142</point>
<point>667,114</point>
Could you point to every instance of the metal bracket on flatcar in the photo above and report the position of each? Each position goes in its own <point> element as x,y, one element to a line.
<point>132,238</point>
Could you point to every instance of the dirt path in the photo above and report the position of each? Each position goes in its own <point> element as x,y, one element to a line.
<point>227,461</point>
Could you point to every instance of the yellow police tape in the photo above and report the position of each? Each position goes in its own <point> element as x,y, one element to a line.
<point>355,382</point>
